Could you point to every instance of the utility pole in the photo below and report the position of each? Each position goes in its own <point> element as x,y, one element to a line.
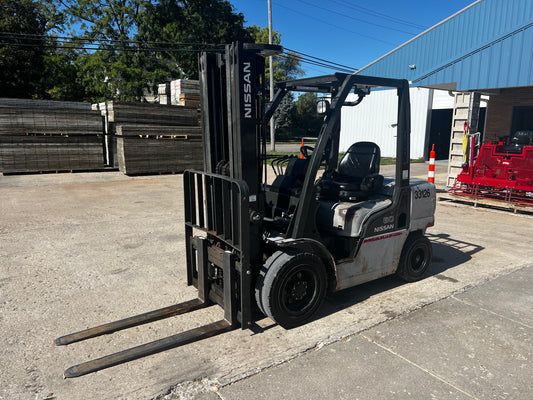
<point>271,64</point>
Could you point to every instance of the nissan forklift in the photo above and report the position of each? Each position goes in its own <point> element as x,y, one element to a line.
<point>258,247</point>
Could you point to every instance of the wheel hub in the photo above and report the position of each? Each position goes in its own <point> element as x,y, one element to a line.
<point>299,290</point>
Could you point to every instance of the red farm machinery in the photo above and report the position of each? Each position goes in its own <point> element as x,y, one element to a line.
<point>498,171</point>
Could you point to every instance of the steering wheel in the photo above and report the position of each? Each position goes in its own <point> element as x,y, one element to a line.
<point>304,150</point>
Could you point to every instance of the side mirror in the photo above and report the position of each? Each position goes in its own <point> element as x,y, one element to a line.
<point>322,107</point>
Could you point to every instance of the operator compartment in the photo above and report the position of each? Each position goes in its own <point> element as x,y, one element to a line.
<point>346,218</point>
<point>353,191</point>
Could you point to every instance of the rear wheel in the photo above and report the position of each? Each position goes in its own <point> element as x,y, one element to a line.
<point>415,259</point>
<point>291,287</point>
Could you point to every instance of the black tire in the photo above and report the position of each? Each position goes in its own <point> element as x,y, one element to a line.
<point>291,287</point>
<point>415,259</point>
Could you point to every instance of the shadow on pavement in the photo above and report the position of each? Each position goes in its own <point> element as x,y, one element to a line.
<point>449,252</point>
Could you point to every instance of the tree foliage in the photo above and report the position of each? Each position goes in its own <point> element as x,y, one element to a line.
<point>118,49</point>
<point>136,42</point>
<point>117,68</point>
<point>60,79</point>
<point>195,23</point>
<point>307,120</point>
<point>21,58</point>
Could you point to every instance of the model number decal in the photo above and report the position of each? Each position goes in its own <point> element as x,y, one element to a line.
<point>421,194</point>
<point>388,220</point>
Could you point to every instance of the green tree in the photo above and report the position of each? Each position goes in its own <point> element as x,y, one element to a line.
<point>195,24</point>
<point>307,120</point>
<point>23,25</point>
<point>137,41</point>
<point>284,117</point>
<point>60,79</point>
<point>117,67</point>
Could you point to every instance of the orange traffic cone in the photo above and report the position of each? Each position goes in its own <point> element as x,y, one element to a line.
<point>431,171</point>
<point>302,145</point>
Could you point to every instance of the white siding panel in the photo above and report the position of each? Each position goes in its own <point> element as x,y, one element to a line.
<point>442,100</point>
<point>375,119</point>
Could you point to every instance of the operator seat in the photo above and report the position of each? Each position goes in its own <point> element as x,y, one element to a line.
<point>356,177</point>
<point>518,141</point>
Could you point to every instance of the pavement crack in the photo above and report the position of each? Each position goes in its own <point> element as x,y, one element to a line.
<point>418,366</point>
<point>491,312</point>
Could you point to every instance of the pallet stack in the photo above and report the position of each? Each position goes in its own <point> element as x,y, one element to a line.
<point>154,138</point>
<point>42,135</point>
<point>163,92</point>
<point>185,92</point>
<point>158,149</point>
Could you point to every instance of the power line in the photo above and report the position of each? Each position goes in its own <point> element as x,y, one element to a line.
<point>377,14</point>
<point>333,25</point>
<point>355,19</point>
<point>103,45</point>
<point>320,64</point>
<point>61,42</point>
<point>91,43</point>
<point>309,61</point>
<point>321,59</point>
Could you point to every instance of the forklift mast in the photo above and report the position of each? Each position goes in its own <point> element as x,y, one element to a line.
<point>232,89</point>
<point>226,200</point>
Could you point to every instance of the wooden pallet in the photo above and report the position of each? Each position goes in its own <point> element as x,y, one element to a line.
<point>155,131</point>
<point>486,203</point>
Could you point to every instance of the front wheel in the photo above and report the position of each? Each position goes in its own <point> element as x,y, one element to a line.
<point>415,259</point>
<point>291,287</point>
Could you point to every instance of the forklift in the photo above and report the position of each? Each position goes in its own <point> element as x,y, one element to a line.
<point>322,225</point>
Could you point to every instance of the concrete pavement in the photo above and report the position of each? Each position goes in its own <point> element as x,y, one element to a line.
<point>472,345</point>
<point>77,250</point>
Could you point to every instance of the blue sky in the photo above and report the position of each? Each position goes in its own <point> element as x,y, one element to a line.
<point>349,32</point>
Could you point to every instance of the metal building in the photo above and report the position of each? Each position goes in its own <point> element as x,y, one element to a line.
<point>484,49</point>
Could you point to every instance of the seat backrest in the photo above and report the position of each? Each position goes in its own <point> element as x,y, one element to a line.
<point>293,178</point>
<point>361,159</point>
<point>523,138</point>
<point>518,141</point>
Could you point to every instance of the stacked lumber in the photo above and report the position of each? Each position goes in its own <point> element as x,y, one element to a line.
<point>140,115</point>
<point>143,149</point>
<point>152,138</point>
<point>163,92</point>
<point>184,91</point>
<point>41,153</point>
<point>122,113</point>
<point>189,100</point>
<point>24,116</point>
<point>44,135</point>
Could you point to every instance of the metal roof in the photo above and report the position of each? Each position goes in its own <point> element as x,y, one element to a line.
<point>487,45</point>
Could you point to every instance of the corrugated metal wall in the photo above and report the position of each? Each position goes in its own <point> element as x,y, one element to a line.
<point>489,45</point>
<point>375,120</point>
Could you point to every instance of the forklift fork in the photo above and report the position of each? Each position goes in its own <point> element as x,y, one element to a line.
<point>203,332</point>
